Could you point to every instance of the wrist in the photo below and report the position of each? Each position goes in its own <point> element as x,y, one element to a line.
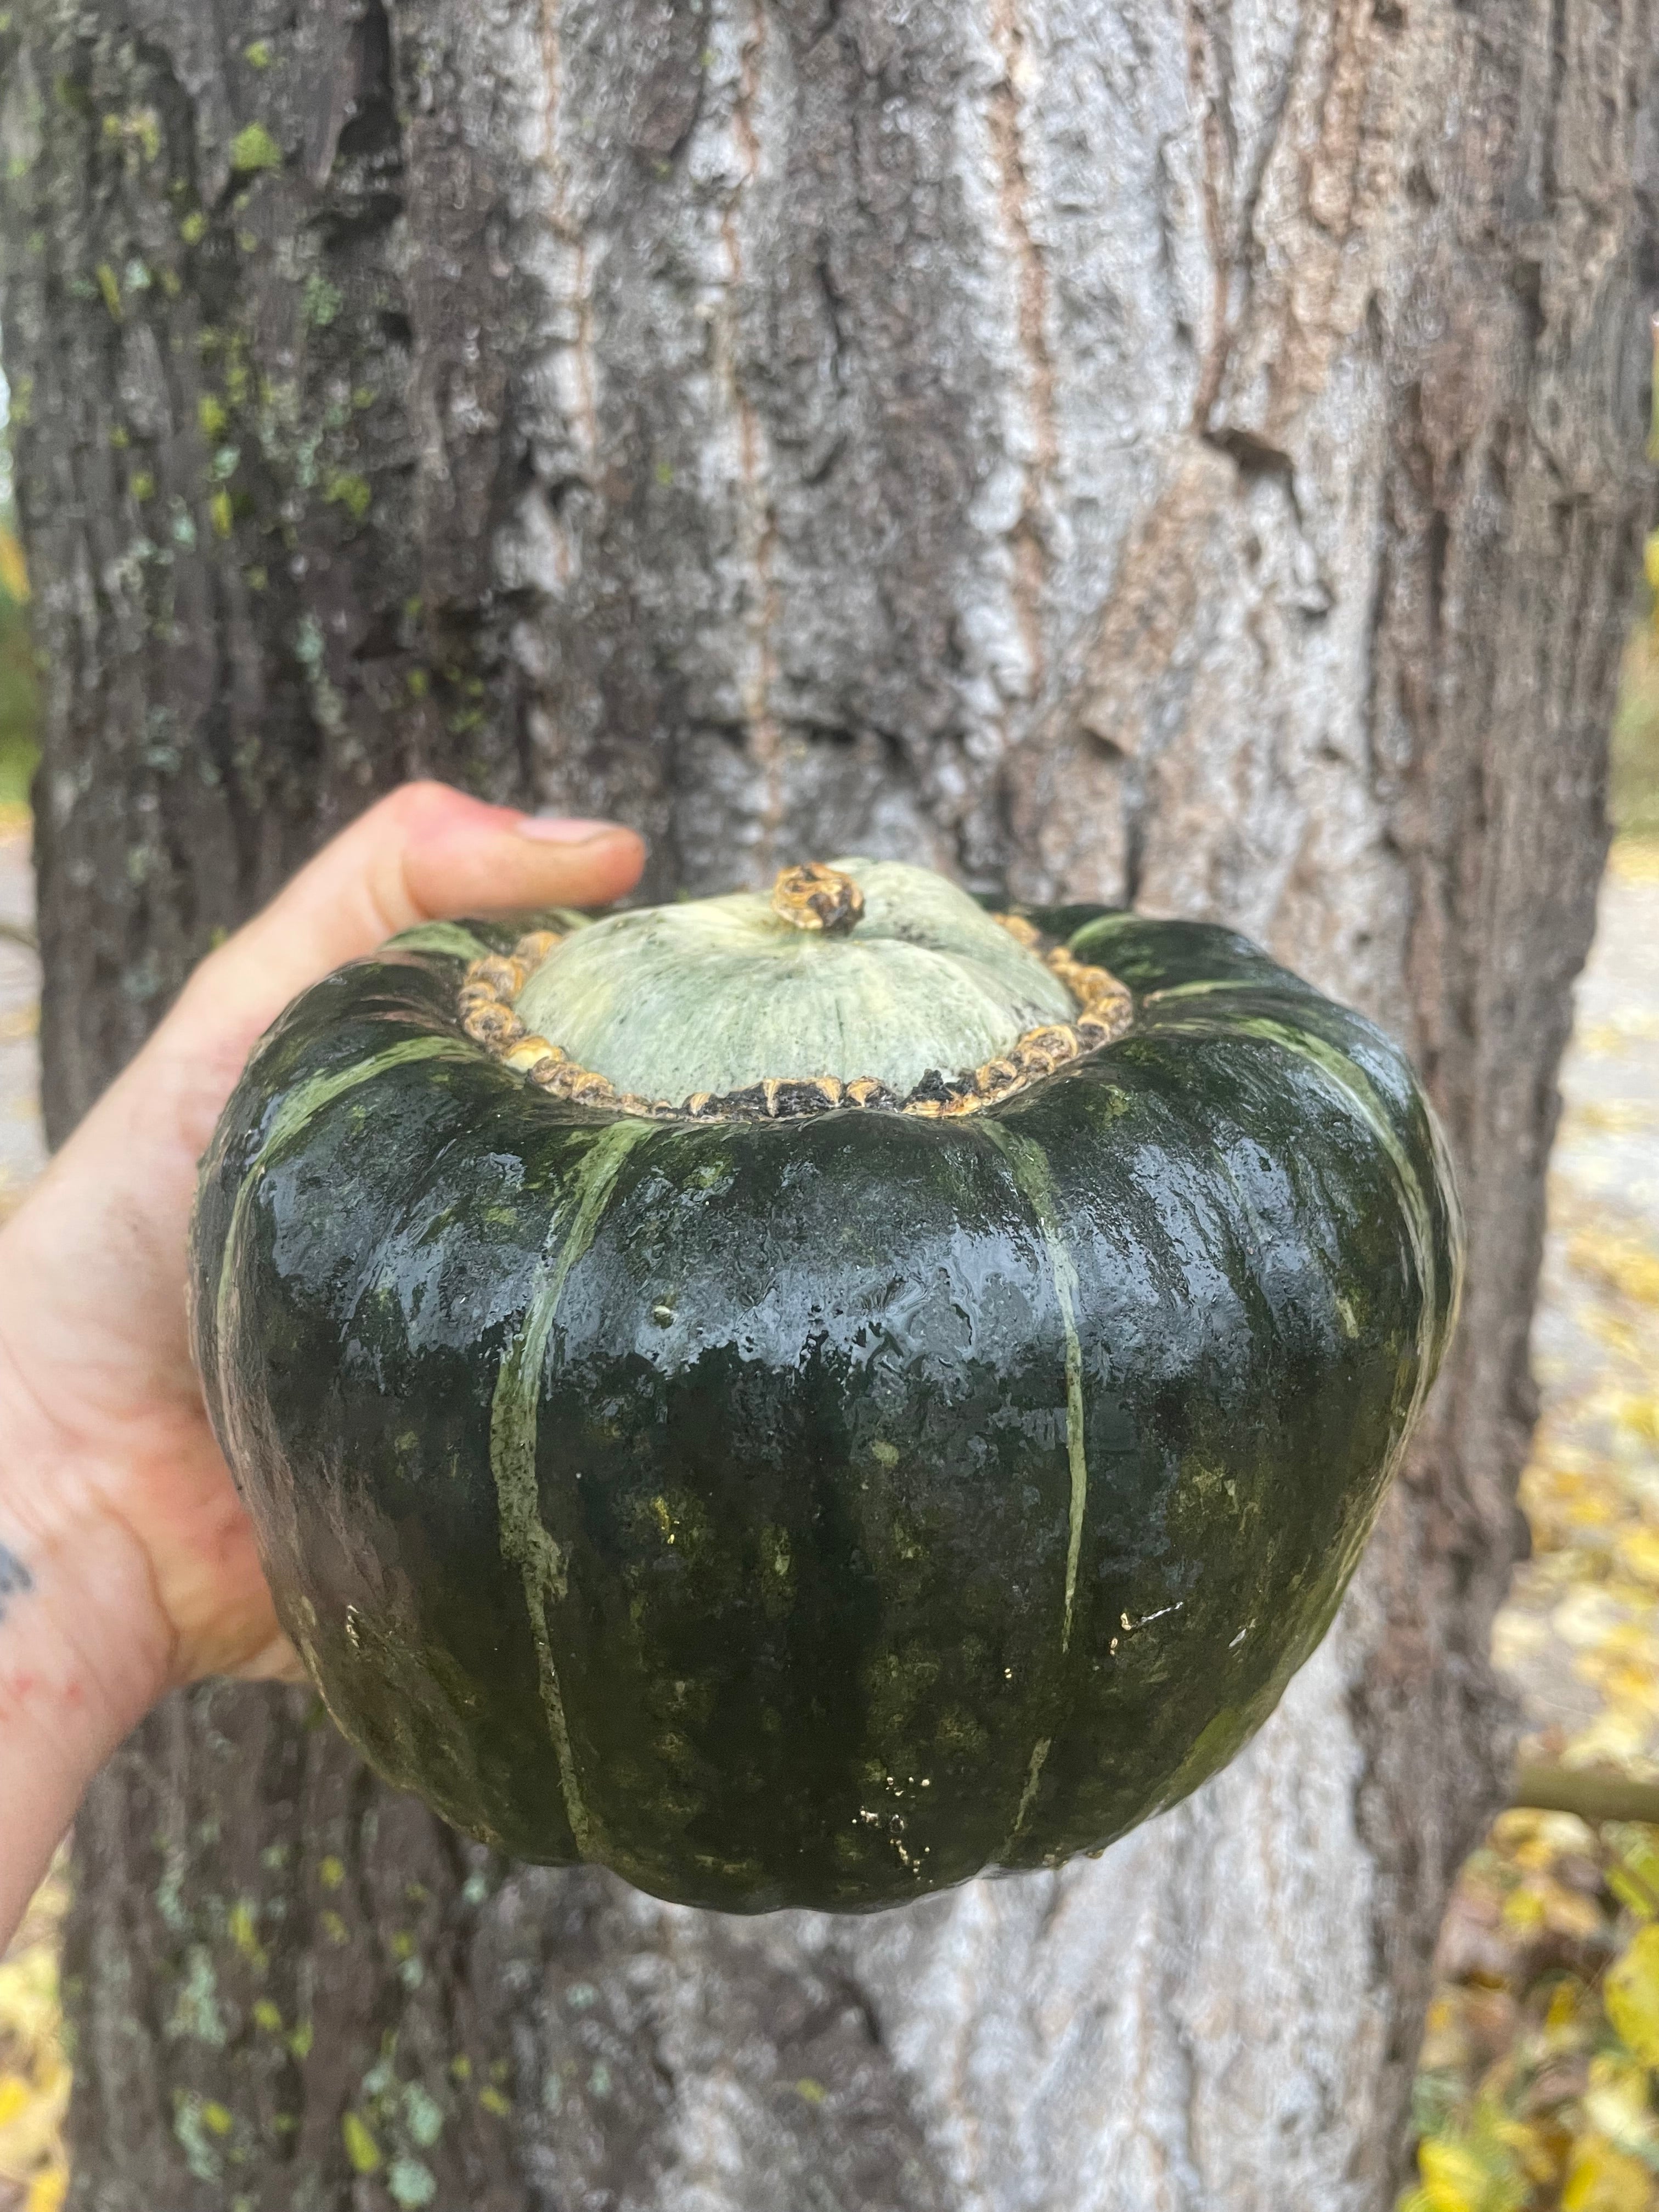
<point>85,1648</point>
<point>81,1660</point>
<point>83,1655</point>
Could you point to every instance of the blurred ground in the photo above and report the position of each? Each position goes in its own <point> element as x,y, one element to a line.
<point>34,2076</point>
<point>1580,1636</point>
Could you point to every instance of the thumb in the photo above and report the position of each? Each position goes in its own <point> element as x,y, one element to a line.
<point>423,854</point>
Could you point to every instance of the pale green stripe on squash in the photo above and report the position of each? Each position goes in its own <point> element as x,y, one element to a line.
<point>310,1098</point>
<point>1029,1170</point>
<point>296,1110</point>
<point>1360,1097</point>
<point>1205,987</point>
<point>1028,1797</point>
<point>448,937</point>
<point>1028,1167</point>
<point>525,1543</point>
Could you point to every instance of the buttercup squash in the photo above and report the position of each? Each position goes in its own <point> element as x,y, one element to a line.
<point>802,1399</point>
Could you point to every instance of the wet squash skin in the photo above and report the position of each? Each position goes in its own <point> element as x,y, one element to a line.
<point>819,1511</point>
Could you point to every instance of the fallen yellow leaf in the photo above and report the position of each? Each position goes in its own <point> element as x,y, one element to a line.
<point>1618,1259</point>
<point>14,570</point>
<point>47,2191</point>
<point>31,2131</point>
<point>1630,1995</point>
<point>1524,1912</point>
<point>1603,2179</point>
<point>1635,860</point>
<point>1470,2173</point>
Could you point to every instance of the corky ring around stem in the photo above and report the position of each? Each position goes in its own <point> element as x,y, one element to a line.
<point>808,898</point>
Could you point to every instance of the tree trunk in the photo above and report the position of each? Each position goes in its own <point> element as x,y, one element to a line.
<point>1182,453</point>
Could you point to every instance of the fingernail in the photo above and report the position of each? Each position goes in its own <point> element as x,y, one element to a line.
<point>564,830</point>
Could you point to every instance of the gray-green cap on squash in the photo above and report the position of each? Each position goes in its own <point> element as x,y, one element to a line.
<point>800,1400</point>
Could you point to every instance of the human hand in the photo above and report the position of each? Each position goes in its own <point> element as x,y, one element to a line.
<point>127,1566</point>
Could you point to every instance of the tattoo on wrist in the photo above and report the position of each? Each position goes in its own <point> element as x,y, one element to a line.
<point>15,1580</point>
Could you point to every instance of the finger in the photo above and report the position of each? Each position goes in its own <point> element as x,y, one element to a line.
<point>275,1662</point>
<point>423,854</point>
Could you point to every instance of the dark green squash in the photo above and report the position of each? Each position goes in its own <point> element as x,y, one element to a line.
<point>784,1499</point>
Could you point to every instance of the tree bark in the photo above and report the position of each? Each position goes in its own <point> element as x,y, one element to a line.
<point>1176,451</point>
